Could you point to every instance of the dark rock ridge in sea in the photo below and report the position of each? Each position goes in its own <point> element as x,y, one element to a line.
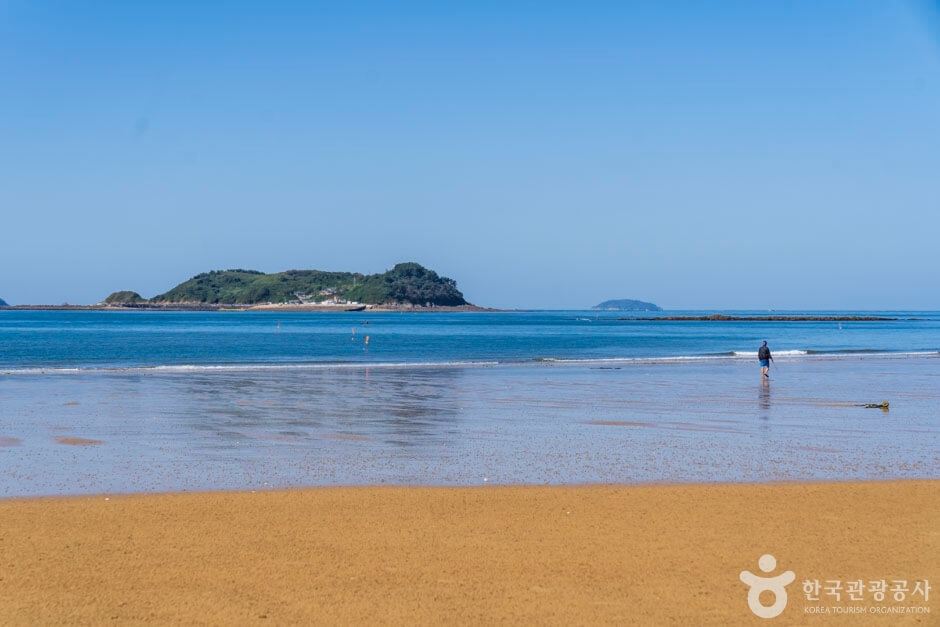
<point>627,304</point>
<point>726,318</point>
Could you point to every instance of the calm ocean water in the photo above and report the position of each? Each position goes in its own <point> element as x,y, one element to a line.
<point>101,339</point>
<point>97,402</point>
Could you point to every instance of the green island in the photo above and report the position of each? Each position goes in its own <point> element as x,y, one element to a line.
<point>124,298</point>
<point>407,284</point>
<point>626,304</point>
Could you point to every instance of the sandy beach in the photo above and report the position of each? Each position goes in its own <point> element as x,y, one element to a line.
<point>601,554</point>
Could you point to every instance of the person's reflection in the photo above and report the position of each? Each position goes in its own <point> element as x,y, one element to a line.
<point>763,398</point>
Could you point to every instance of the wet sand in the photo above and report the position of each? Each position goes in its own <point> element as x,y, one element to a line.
<point>603,554</point>
<point>156,431</point>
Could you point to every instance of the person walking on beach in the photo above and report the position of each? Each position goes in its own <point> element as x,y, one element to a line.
<point>764,356</point>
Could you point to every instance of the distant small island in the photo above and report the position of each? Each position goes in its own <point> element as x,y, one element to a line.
<point>3,303</point>
<point>407,285</point>
<point>626,304</point>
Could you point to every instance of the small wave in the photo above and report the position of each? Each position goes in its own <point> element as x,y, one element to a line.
<point>318,366</point>
<point>738,355</point>
<point>351,365</point>
<point>188,368</point>
<point>634,360</point>
<point>844,352</point>
<point>753,354</point>
<point>879,353</point>
<point>670,358</point>
<point>50,369</point>
<point>869,351</point>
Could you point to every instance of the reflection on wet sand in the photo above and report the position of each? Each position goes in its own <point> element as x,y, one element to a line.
<point>679,426</point>
<point>764,398</point>
<point>351,405</point>
<point>453,425</point>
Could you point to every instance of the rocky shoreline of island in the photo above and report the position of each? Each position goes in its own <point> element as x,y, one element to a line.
<point>388,307</point>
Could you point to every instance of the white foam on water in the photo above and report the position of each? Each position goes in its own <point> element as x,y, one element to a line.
<point>190,368</point>
<point>788,355</point>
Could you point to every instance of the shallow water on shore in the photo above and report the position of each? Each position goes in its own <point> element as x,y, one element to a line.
<point>147,430</point>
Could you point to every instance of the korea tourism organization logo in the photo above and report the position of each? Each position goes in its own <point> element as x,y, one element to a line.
<point>878,597</point>
<point>777,585</point>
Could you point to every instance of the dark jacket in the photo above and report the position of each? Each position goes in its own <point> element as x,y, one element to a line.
<point>763,353</point>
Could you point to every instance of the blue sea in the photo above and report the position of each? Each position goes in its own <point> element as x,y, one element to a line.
<point>124,339</point>
<point>131,401</point>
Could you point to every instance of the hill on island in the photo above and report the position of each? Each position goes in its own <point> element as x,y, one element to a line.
<point>406,283</point>
<point>626,304</point>
<point>125,297</point>
<point>3,303</point>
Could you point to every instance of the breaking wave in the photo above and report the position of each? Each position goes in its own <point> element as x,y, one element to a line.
<point>785,355</point>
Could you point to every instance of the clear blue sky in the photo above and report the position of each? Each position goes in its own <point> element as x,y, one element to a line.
<point>696,154</point>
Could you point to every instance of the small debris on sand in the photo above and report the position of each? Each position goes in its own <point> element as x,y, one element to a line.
<point>619,423</point>
<point>78,441</point>
<point>345,436</point>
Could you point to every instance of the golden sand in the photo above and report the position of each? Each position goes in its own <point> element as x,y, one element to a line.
<point>607,554</point>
